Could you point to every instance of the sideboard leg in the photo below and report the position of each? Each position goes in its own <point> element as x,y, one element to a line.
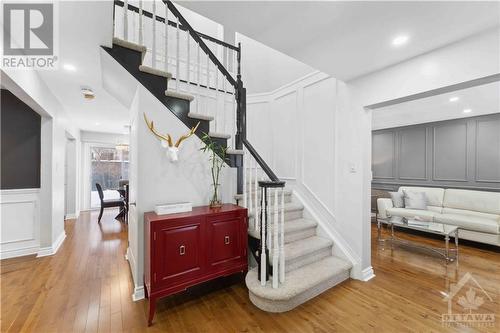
<point>152,306</point>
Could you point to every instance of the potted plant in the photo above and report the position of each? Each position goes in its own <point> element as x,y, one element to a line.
<point>217,161</point>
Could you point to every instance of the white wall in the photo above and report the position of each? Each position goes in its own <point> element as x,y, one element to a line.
<point>31,89</point>
<point>155,180</point>
<point>264,69</point>
<point>307,133</point>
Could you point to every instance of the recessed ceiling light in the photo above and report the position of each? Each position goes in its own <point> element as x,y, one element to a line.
<point>467,110</point>
<point>69,67</point>
<point>88,93</point>
<point>454,99</point>
<point>400,40</point>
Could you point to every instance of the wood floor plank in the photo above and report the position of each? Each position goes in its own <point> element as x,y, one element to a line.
<point>87,287</point>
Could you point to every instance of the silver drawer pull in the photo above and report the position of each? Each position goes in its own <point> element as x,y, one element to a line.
<point>182,250</point>
<point>226,240</point>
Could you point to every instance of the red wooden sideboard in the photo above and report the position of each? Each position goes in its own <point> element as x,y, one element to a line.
<point>185,249</point>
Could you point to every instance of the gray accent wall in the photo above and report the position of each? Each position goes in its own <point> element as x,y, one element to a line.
<point>459,153</point>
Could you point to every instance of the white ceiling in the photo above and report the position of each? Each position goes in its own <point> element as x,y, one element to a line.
<point>351,39</point>
<point>481,100</point>
<point>83,27</point>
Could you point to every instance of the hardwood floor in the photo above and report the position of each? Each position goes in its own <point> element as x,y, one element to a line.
<point>87,287</point>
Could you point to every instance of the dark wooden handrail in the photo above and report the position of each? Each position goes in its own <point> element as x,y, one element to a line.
<point>201,43</point>
<point>272,176</point>
<point>174,24</point>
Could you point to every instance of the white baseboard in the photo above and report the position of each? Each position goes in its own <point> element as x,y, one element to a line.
<point>367,274</point>
<point>72,216</point>
<point>51,250</point>
<point>138,290</point>
<point>138,293</point>
<point>6,254</point>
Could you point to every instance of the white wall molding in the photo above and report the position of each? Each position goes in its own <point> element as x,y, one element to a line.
<point>139,292</point>
<point>51,250</point>
<point>20,229</point>
<point>367,274</point>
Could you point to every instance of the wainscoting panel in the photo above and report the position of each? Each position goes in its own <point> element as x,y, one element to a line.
<point>318,153</point>
<point>487,151</point>
<point>284,141</point>
<point>20,229</point>
<point>459,153</point>
<point>383,152</point>
<point>450,152</point>
<point>412,154</point>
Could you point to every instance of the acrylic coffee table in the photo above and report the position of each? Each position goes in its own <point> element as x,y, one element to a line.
<point>445,230</point>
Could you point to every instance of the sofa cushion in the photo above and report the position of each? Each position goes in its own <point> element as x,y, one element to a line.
<point>471,213</point>
<point>434,195</point>
<point>415,200</point>
<point>479,201</point>
<point>468,222</point>
<point>410,213</point>
<point>398,200</point>
<point>437,209</point>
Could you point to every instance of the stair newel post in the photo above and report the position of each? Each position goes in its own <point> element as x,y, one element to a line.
<point>248,168</point>
<point>153,47</point>
<point>282,237</point>
<point>216,122</point>
<point>264,251</point>
<point>276,247</point>
<point>125,20</point>
<point>177,59</point>
<point>166,38</point>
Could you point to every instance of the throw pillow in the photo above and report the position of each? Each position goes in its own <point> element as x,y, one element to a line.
<point>397,199</point>
<point>415,200</point>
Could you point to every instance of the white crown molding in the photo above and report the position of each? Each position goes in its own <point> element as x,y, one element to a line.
<point>51,250</point>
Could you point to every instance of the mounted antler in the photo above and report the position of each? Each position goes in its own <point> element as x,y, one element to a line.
<point>184,137</point>
<point>171,148</point>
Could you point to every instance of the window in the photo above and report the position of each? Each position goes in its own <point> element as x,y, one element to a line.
<point>108,167</point>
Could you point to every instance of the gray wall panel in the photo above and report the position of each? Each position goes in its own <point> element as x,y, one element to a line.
<point>459,153</point>
<point>412,154</point>
<point>450,151</point>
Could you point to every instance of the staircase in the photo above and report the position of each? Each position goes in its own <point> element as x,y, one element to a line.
<point>197,78</point>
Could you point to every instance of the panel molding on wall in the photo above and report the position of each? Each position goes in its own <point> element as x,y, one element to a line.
<point>447,146</point>
<point>459,153</point>
<point>378,161</point>
<point>20,222</point>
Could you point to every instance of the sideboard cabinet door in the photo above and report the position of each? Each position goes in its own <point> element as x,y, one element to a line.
<point>178,252</point>
<point>225,247</point>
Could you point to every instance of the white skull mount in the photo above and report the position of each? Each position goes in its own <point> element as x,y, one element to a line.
<point>166,140</point>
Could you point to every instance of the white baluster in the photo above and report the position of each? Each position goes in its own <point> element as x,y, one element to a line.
<point>177,60</point>
<point>269,221</point>
<point>166,38</point>
<point>262,249</point>
<point>245,161</point>
<point>216,97</point>
<point>141,32</point>
<point>224,128</point>
<point>207,90</point>
<point>256,194</point>
<point>198,80</point>
<point>276,247</point>
<point>249,170</point>
<point>188,61</point>
<point>153,59</point>
<point>125,20</point>
<point>282,237</point>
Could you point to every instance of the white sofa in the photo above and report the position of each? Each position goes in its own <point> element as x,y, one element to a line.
<point>476,213</point>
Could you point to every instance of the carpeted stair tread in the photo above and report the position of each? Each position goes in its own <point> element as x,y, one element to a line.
<point>219,135</point>
<point>235,151</point>
<point>288,192</point>
<point>155,71</point>
<point>292,226</point>
<point>304,247</point>
<point>175,94</point>
<point>298,281</point>
<point>289,207</point>
<point>130,45</point>
<point>200,116</point>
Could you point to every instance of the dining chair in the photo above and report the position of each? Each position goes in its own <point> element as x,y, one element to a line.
<point>108,203</point>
